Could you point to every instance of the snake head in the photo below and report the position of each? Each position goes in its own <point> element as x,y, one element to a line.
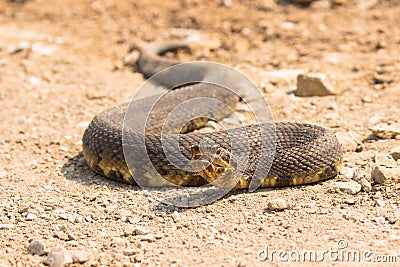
<point>212,163</point>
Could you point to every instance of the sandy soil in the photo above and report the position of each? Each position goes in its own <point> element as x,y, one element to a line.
<point>62,63</point>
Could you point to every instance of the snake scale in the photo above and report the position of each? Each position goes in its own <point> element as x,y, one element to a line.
<point>299,153</point>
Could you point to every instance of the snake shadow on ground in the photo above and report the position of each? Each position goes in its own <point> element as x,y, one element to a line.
<point>76,169</point>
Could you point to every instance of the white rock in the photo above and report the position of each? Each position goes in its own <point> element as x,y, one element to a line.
<point>147,238</point>
<point>4,226</point>
<point>80,256</point>
<point>380,202</point>
<point>31,217</point>
<point>366,185</point>
<point>278,204</point>
<point>227,3</point>
<point>351,187</point>
<point>247,251</point>
<point>131,58</point>
<point>379,219</point>
<point>347,172</point>
<point>175,216</point>
<point>347,141</point>
<point>43,49</point>
<point>62,235</point>
<point>58,257</point>
<point>3,174</point>
<point>366,99</point>
<point>35,80</point>
<point>139,230</point>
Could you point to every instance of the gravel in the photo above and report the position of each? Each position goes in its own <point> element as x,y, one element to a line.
<point>48,100</point>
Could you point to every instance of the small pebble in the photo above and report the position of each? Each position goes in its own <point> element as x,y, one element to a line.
<point>227,3</point>
<point>139,230</point>
<point>350,201</point>
<point>129,230</point>
<point>80,256</point>
<point>175,216</point>
<point>359,174</point>
<point>247,251</point>
<point>366,99</point>
<point>378,195</point>
<point>3,174</point>
<point>36,247</point>
<point>351,187</point>
<point>147,238</point>
<point>379,202</point>
<point>366,185</point>
<point>379,219</point>
<point>130,251</point>
<point>347,172</point>
<point>131,58</point>
<point>277,204</point>
<point>379,174</point>
<point>58,256</point>
<point>31,217</point>
<point>214,230</point>
<point>32,163</point>
<point>4,226</point>
<point>395,153</point>
<point>117,242</point>
<point>62,236</point>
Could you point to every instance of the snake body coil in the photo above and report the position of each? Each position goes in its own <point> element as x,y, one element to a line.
<point>296,153</point>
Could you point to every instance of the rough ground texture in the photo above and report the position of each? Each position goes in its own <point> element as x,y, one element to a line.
<point>62,63</point>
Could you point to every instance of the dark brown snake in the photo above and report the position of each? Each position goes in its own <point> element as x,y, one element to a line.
<point>284,153</point>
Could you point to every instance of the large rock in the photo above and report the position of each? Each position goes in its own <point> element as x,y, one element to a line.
<point>314,84</point>
<point>351,187</point>
<point>386,130</point>
<point>347,140</point>
<point>58,257</point>
<point>381,174</point>
<point>36,247</point>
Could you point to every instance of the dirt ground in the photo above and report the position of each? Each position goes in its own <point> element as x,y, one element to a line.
<point>62,62</point>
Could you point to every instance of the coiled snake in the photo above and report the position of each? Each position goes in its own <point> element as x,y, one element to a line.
<point>286,153</point>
